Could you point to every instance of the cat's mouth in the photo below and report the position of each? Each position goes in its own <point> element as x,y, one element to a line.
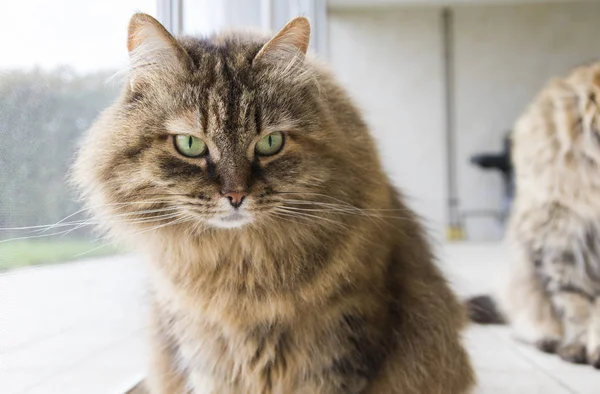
<point>234,219</point>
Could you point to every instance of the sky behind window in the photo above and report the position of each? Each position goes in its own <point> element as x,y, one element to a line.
<point>91,35</point>
<point>88,35</point>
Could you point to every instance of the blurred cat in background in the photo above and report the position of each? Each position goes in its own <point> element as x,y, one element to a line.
<point>552,295</point>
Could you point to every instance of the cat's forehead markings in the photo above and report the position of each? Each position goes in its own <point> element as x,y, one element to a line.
<point>217,110</point>
<point>184,123</point>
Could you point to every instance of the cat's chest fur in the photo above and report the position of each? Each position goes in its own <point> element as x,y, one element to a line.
<point>243,318</point>
<point>250,359</point>
<point>306,355</point>
<point>266,352</point>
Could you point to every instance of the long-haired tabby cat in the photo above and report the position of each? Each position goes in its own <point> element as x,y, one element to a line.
<point>282,260</point>
<point>552,294</point>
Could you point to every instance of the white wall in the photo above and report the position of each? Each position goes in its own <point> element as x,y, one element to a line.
<point>391,61</point>
<point>504,55</point>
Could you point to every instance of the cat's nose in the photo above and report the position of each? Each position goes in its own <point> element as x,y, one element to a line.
<point>236,198</point>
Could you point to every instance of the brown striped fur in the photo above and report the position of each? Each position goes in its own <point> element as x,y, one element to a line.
<point>337,294</point>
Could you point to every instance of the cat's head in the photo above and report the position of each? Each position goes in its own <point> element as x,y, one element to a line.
<point>572,109</point>
<point>585,135</point>
<point>219,132</point>
<point>556,142</point>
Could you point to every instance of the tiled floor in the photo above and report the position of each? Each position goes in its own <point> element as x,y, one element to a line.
<point>75,328</point>
<point>503,365</point>
<point>78,328</point>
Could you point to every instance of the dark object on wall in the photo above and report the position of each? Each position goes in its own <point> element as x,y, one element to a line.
<point>500,162</point>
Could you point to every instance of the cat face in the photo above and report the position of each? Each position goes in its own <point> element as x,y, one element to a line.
<point>219,133</point>
<point>227,148</point>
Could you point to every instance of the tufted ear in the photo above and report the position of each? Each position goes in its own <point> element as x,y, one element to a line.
<point>292,40</point>
<point>153,51</point>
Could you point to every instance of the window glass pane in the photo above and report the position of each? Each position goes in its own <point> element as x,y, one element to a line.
<point>203,17</point>
<point>207,16</point>
<point>55,77</point>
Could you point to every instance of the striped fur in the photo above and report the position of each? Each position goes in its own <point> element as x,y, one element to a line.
<point>337,294</point>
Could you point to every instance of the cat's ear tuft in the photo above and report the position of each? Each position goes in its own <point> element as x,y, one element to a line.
<point>292,40</point>
<point>152,49</point>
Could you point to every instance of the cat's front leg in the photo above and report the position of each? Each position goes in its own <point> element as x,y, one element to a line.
<point>594,335</point>
<point>203,383</point>
<point>572,303</point>
<point>527,302</point>
<point>164,375</point>
<point>574,309</point>
<point>328,385</point>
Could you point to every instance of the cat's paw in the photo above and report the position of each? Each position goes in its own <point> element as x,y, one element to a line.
<point>573,353</point>
<point>547,345</point>
<point>594,358</point>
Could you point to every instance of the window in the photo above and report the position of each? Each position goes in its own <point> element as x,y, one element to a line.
<point>62,328</point>
<point>55,77</point>
<point>208,16</point>
<point>76,327</point>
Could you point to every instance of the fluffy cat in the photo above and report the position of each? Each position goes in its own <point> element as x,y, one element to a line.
<point>281,258</point>
<point>551,297</point>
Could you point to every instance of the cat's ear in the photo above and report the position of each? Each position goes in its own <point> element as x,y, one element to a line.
<point>291,40</point>
<point>153,51</point>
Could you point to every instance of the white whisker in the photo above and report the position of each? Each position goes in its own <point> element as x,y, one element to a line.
<point>63,222</point>
<point>32,237</point>
<point>306,215</point>
<point>157,218</point>
<point>102,206</point>
<point>181,219</point>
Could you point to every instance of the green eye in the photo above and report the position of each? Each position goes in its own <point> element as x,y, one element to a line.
<point>190,146</point>
<point>270,145</point>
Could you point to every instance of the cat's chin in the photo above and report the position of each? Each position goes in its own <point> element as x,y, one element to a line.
<point>232,221</point>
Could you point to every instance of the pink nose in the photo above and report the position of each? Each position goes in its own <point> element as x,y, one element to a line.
<point>236,198</point>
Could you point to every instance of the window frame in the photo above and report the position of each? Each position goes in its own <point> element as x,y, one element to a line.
<point>170,14</point>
